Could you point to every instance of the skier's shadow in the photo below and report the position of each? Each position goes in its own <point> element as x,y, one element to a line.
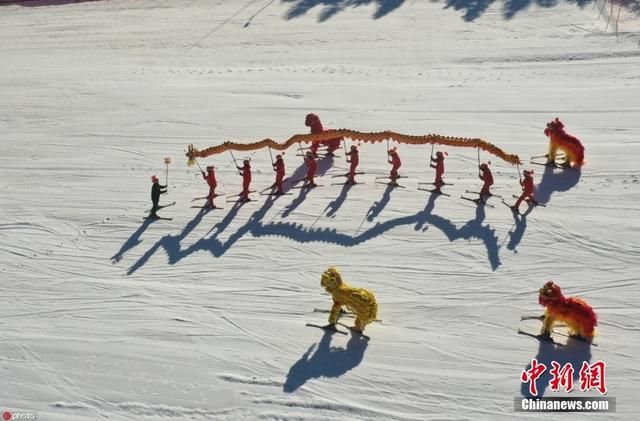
<point>556,180</point>
<point>516,235</point>
<point>334,205</point>
<point>296,182</point>
<point>326,361</point>
<point>133,241</point>
<point>575,352</point>
<point>323,165</point>
<point>378,206</point>
<point>473,229</point>
<point>170,243</point>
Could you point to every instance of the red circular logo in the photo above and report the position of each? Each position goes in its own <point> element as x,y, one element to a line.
<point>6,415</point>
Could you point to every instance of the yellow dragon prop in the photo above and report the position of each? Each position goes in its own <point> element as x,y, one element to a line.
<point>373,137</point>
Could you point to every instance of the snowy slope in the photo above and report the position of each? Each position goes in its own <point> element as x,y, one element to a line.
<point>106,316</point>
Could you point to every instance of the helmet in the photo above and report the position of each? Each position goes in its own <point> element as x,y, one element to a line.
<point>527,172</point>
<point>210,168</point>
<point>278,156</point>
<point>483,166</point>
<point>154,178</point>
<point>246,162</point>
<point>353,147</point>
<point>439,154</point>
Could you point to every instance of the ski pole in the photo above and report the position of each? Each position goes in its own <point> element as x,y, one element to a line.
<point>301,151</point>
<point>431,156</point>
<point>167,161</point>
<point>198,164</point>
<point>234,159</point>
<point>388,159</point>
<point>271,155</point>
<point>479,161</point>
<point>518,167</point>
<point>344,143</point>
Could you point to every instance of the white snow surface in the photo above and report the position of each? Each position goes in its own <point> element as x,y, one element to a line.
<point>107,316</point>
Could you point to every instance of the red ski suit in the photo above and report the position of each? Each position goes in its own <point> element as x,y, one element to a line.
<point>246,181</point>
<point>527,190</point>
<point>211,181</point>
<point>395,164</point>
<point>312,166</point>
<point>278,167</point>
<point>354,159</point>
<point>487,177</point>
<point>439,160</point>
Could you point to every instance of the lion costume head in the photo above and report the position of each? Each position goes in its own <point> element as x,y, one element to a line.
<point>331,280</point>
<point>550,292</point>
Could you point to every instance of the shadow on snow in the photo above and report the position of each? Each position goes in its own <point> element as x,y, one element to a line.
<point>326,361</point>
<point>331,8</point>
<point>471,9</point>
<point>556,180</point>
<point>575,352</point>
<point>297,232</point>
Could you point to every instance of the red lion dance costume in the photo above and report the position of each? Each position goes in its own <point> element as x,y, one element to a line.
<point>575,313</point>
<point>313,122</point>
<point>561,140</point>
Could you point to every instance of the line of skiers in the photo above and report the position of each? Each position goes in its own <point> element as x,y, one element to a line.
<point>352,157</point>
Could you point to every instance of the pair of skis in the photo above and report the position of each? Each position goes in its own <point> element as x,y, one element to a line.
<point>530,203</point>
<point>549,338</point>
<point>334,329</point>
<point>479,201</point>
<point>564,165</point>
<point>347,183</point>
<point>434,191</point>
<point>161,218</point>
<point>378,180</point>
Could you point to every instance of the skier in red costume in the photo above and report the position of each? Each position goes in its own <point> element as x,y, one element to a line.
<point>245,172</point>
<point>313,121</point>
<point>278,167</point>
<point>354,159</point>
<point>439,166</point>
<point>527,190</point>
<point>394,160</point>
<point>312,166</point>
<point>487,177</point>
<point>210,177</point>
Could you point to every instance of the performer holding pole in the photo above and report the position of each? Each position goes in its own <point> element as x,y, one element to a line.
<point>354,159</point>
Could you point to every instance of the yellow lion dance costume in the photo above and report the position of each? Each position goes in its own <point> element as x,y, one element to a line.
<point>357,300</point>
